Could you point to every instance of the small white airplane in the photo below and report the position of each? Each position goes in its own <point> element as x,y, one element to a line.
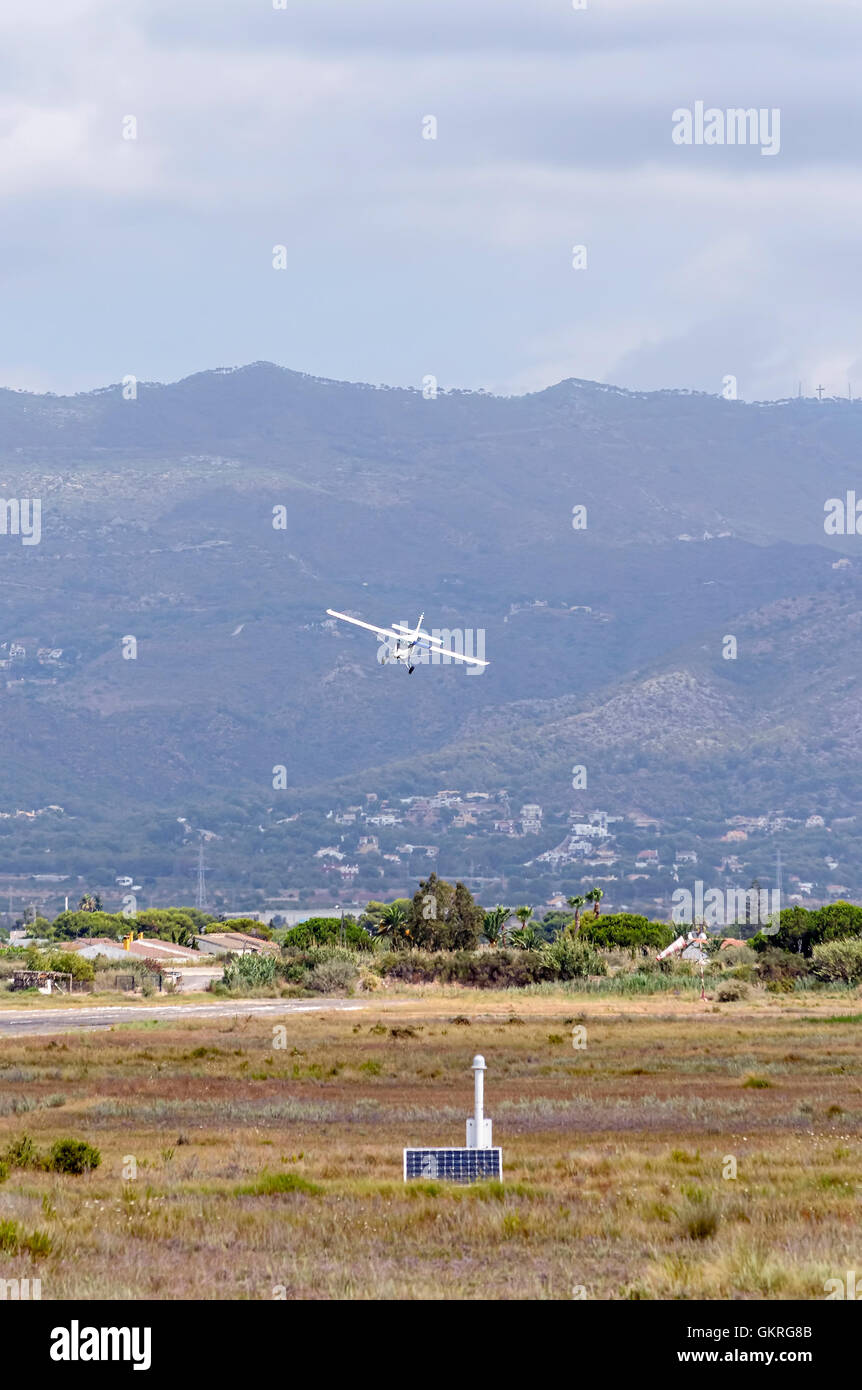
<point>404,642</point>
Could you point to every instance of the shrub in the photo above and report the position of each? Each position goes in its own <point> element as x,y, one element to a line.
<point>21,1153</point>
<point>730,990</point>
<point>70,963</point>
<point>567,958</point>
<point>13,1241</point>
<point>333,976</point>
<point>250,971</point>
<point>479,969</point>
<point>737,956</point>
<point>741,972</point>
<point>72,1156</point>
<point>838,961</point>
<point>781,967</point>
<point>700,1216</point>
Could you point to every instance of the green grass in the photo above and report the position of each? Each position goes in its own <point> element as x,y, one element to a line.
<point>272,1184</point>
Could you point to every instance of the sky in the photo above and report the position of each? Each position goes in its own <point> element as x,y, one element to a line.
<point>305,127</point>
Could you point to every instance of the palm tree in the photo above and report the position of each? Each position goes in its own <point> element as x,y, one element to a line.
<point>494,924</point>
<point>523,915</point>
<point>595,896</point>
<point>392,923</point>
<point>576,904</point>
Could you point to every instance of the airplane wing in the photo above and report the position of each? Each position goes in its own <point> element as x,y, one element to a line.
<point>381,631</point>
<point>434,644</point>
<point>457,656</point>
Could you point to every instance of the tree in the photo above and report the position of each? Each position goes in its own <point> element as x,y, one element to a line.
<point>801,930</point>
<point>90,923</point>
<point>391,924</point>
<point>629,932</point>
<point>595,896</point>
<point>464,920</point>
<point>91,902</point>
<point>576,903</point>
<point>427,912</point>
<point>326,931</point>
<point>494,924</point>
<point>443,917</point>
<point>523,915</point>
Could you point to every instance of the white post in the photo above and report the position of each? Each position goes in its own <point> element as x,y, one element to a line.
<point>479,1094</point>
<point>478,1128</point>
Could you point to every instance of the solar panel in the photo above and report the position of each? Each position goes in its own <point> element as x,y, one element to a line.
<point>454,1165</point>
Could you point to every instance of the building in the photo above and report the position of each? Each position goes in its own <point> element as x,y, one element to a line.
<point>234,943</point>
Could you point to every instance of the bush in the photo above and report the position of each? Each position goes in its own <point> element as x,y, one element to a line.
<point>476,969</point>
<point>781,967</point>
<point>333,977</point>
<point>742,972</point>
<point>21,1153</point>
<point>70,963</point>
<point>13,1241</point>
<point>699,1218</point>
<point>250,972</point>
<point>72,1156</point>
<point>838,961</point>
<point>567,958</point>
<point>731,990</point>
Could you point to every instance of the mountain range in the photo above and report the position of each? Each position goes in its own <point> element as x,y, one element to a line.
<point>693,639</point>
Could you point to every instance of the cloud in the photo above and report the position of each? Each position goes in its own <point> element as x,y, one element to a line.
<point>303,127</point>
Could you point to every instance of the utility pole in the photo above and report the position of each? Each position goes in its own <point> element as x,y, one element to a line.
<point>820,390</point>
<point>201,902</point>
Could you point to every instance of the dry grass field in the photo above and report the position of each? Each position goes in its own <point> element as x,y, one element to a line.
<point>266,1171</point>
